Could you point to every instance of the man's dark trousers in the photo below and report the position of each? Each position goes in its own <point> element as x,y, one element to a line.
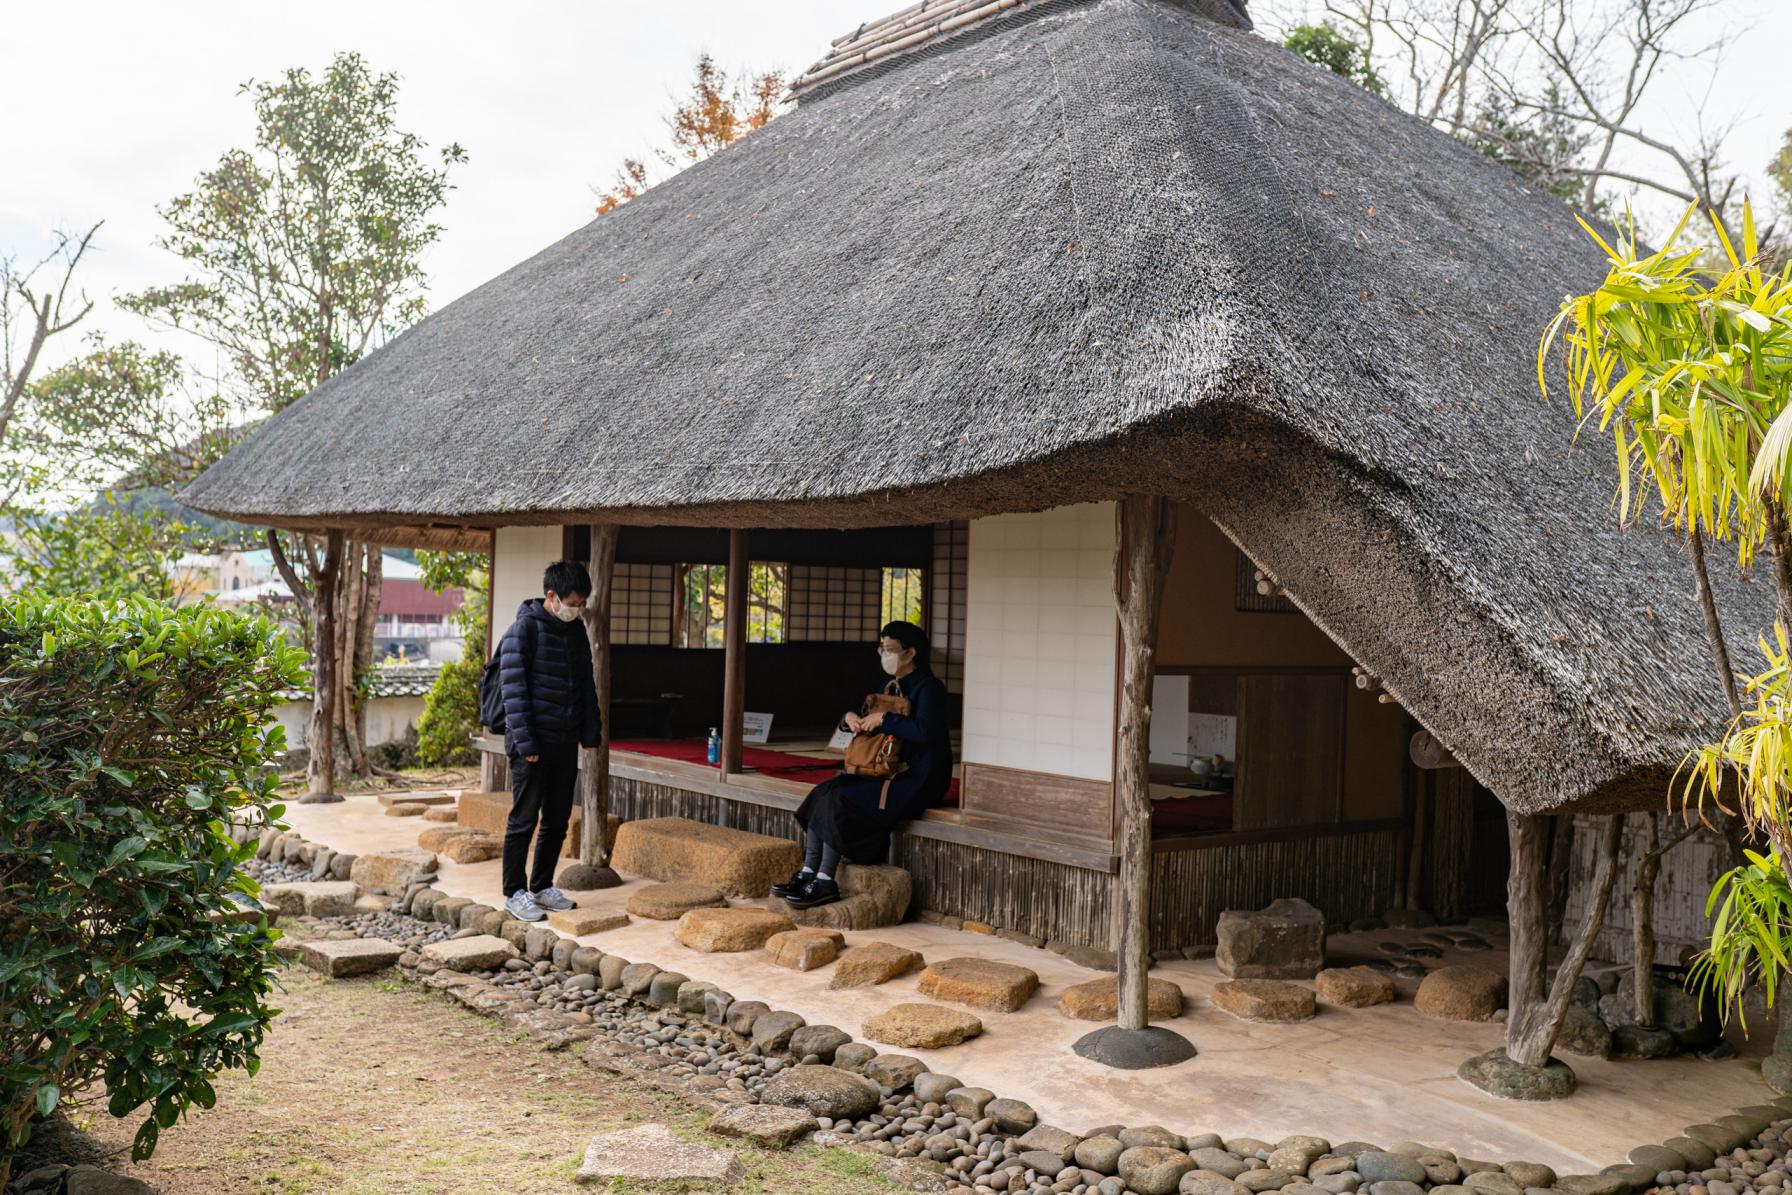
<point>541,790</point>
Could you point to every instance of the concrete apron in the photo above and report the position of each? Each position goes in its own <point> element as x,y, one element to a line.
<point>1381,1074</point>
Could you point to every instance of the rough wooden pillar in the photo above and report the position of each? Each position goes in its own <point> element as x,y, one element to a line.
<point>595,778</point>
<point>1526,914</point>
<point>320,771</point>
<point>1147,537</point>
<point>734,635</point>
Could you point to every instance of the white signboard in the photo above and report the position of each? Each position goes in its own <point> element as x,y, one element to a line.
<point>1212,734</point>
<point>755,728</point>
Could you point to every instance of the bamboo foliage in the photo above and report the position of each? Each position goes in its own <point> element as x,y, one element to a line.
<point>1688,369</point>
<point>1687,366</point>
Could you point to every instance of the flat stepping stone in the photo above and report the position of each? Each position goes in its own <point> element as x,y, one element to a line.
<point>1272,1001</point>
<point>922,1026</point>
<point>442,798</point>
<point>576,923</point>
<point>871,963</point>
<point>480,952</point>
<point>763,1124</point>
<point>654,1153</point>
<point>1353,987</point>
<point>980,983</point>
<point>871,897</point>
<point>474,847</point>
<point>725,931</point>
<point>314,898</point>
<point>804,949</point>
<point>669,902</point>
<point>677,848</point>
<point>1461,993</point>
<point>406,809</point>
<point>1099,1000</point>
<point>442,813</point>
<point>434,838</point>
<point>337,958</point>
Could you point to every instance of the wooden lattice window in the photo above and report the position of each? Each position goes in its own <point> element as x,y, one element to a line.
<point>641,604</point>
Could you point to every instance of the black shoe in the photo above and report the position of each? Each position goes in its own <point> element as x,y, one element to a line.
<point>816,893</point>
<point>799,879</point>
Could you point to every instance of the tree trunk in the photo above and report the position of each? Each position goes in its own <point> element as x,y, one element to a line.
<point>595,794</point>
<point>354,594</point>
<point>1642,920</point>
<point>734,634</point>
<point>1527,917</point>
<point>1147,537</point>
<point>320,772</point>
<point>365,625</point>
<point>1531,1031</point>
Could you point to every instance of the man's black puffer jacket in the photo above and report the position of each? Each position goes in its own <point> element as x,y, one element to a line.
<point>544,669</point>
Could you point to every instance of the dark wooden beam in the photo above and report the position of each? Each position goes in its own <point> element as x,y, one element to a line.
<point>734,637</point>
<point>1147,538</point>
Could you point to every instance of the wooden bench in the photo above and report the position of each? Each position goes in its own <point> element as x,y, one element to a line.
<point>677,848</point>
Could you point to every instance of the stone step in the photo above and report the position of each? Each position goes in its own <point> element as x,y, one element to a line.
<point>490,812</point>
<point>871,897</point>
<point>445,797</point>
<point>348,956</point>
<point>676,848</point>
<point>314,898</point>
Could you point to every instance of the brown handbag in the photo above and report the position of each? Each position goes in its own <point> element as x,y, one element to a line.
<point>878,754</point>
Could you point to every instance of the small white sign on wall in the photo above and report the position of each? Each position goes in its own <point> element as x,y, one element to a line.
<point>1212,734</point>
<point>755,728</point>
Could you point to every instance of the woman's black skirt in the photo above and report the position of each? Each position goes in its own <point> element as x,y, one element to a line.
<point>829,813</point>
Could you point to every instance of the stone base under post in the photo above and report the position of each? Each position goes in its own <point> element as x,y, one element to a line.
<point>1135,1049</point>
<point>586,877</point>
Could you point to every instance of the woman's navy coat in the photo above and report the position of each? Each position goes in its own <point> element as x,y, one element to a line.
<point>844,810</point>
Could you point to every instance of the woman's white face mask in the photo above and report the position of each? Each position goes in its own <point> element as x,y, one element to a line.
<point>891,660</point>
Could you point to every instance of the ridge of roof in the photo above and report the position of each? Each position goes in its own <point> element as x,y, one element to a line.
<point>928,21</point>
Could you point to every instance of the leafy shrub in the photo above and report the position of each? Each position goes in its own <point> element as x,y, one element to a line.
<point>451,707</point>
<point>131,735</point>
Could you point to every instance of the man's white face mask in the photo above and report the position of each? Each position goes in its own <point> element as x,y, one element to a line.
<point>564,612</point>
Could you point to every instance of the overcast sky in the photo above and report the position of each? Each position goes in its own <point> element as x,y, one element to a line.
<point>113,108</point>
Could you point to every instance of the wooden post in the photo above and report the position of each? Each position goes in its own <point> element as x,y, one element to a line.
<point>1531,1029</point>
<point>1415,867</point>
<point>1525,914</point>
<point>320,771</point>
<point>734,637</point>
<point>595,779</point>
<point>1147,537</point>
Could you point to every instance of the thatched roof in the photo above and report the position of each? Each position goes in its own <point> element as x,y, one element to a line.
<point>1071,250</point>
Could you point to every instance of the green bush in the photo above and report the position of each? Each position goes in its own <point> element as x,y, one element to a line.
<point>131,735</point>
<point>451,707</point>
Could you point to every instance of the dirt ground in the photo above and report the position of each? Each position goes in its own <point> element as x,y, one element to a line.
<point>374,1087</point>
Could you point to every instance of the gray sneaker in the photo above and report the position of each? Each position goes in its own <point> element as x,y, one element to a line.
<point>554,900</point>
<point>522,906</point>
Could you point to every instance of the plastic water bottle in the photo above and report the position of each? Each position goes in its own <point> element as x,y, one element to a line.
<point>715,747</point>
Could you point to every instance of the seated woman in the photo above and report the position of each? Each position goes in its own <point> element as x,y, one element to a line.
<point>850,817</point>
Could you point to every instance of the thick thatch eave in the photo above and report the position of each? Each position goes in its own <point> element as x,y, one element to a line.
<point>1089,247</point>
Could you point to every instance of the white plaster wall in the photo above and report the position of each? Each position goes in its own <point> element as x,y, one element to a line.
<point>1040,642</point>
<point>518,556</point>
<point>389,719</point>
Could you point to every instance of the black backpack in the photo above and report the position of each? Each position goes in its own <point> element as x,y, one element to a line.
<point>491,697</point>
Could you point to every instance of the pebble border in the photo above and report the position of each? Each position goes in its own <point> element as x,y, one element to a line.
<point>693,1039</point>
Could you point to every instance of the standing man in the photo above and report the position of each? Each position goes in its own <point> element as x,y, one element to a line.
<point>550,711</point>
